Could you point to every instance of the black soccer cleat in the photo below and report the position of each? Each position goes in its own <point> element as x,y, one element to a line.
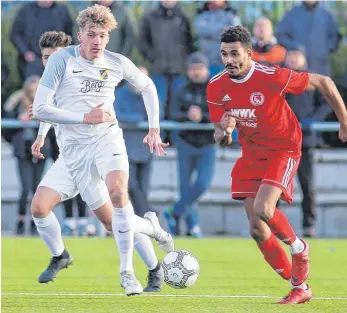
<point>55,266</point>
<point>155,279</point>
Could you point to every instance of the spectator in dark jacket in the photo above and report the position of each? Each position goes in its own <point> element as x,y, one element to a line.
<point>32,20</point>
<point>308,107</point>
<point>130,110</point>
<point>265,48</point>
<point>165,40</point>
<point>311,29</point>
<point>209,23</point>
<point>196,150</point>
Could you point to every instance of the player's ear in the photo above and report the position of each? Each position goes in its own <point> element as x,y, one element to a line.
<point>249,53</point>
<point>79,37</point>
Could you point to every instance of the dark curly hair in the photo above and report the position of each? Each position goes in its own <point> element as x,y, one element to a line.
<point>54,39</point>
<point>237,33</point>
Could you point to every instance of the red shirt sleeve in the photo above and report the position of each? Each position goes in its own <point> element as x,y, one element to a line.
<point>214,101</point>
<point>290,81</point>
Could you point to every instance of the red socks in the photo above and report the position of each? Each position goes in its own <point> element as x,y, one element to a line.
<point>275,255</point>
<point>281,227</point>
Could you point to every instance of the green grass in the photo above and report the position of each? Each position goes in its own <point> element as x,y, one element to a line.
<point>228,267</point>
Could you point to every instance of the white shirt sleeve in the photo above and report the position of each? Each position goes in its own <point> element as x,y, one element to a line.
<point>148,90</point>
<point>43,108</point>
<point>43,129</point>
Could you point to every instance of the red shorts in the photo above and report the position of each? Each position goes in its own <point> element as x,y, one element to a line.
<point>278,169</point>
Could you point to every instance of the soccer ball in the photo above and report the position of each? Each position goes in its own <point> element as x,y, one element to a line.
<point>181,269</point>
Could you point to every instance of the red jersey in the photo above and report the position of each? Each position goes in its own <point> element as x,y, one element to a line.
<point>264,120</point>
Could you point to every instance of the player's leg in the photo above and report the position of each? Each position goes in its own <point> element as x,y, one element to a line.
<point>82,221</point>
<point>55,187</point>
<point>143,246</point>
<point>270,247</point>
<point>264,206</point>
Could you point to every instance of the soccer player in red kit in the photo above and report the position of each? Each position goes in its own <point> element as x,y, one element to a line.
<point>251,97</point>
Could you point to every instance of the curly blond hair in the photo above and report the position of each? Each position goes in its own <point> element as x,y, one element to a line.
<point>97,15</point>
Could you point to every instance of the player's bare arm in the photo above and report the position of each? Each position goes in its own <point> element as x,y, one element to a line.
<point>224,129</point>
<point>328,88</point>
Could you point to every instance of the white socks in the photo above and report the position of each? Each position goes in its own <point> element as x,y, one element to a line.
<point>50,232</point>
<point>302,286</point>
<point>144,247</point>
<point>297,246</point>
<point>123,231</point>
<point>143,225</point>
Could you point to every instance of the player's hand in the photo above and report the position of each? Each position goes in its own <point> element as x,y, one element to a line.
<point>343,132</point>
<point>153,140</point>
<point>194,113</point>
<point>97,116</point>
<point>228,122</point>
<point>37,145</point>
<point>31,111</point>
<point>24,117</point>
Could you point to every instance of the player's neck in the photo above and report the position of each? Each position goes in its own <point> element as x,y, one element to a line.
<point>244,73</point>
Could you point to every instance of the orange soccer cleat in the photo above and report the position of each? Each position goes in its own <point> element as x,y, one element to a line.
<point>297,296</point>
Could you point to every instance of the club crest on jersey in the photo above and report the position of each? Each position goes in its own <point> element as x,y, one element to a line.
<point>103,74</point>
<point>257,98</point>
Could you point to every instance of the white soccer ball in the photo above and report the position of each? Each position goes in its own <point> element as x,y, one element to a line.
<point>181,269</point>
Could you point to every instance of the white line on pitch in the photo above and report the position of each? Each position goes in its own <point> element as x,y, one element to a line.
<point>150,295</point>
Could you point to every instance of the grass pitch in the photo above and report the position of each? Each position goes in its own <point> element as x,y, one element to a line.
<point>233,278</point>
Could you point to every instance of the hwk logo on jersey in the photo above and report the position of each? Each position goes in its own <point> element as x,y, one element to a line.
<point>103,74</point>
<point>226,98</point>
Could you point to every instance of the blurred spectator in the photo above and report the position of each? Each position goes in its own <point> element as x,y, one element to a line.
<point>32,20</point>
<point>30,169</point>
<point>209,22</point>
<point>165,40</point>
<point>265,48</point>
<point>123,40</point>
<point>4,75</point>
<point>130,110</point>
<point>196,150</point>
<point>308,107</point>
<point>311,29</point>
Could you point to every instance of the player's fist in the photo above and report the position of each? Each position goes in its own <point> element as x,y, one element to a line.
<point>343,132</point>
<point>194,113</point>
<point>37,145</point>
<point>228,122</point>
<point>97,116</point>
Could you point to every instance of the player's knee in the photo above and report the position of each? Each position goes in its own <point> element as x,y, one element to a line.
<point>263,210</point>
<point>38,208</point>
<point>257,233</point>
<point>119,197</point>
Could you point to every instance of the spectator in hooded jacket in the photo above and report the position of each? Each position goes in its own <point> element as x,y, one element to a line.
<point>196,150</point>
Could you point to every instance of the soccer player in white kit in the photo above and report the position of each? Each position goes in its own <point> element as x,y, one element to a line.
<point>51,42</point>
<point>76,91</point>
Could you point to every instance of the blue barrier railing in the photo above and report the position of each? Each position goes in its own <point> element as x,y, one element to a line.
<point>166,125</point>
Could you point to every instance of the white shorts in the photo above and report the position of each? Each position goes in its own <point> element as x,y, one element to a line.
<point>59,179</point>
<point>89,164</point>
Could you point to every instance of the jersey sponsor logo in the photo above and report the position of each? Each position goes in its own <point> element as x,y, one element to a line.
<point>103,74</point>
<point>257,98</point>
<point>92,86</point>
<point>226,98</point>
<point>244,113</point>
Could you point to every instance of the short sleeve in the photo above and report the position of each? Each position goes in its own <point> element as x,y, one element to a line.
<point>54,70</point>
<point>214,101</point>
<point>290,81</point>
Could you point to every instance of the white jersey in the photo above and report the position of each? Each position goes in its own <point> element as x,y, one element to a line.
<point>80,85</point>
